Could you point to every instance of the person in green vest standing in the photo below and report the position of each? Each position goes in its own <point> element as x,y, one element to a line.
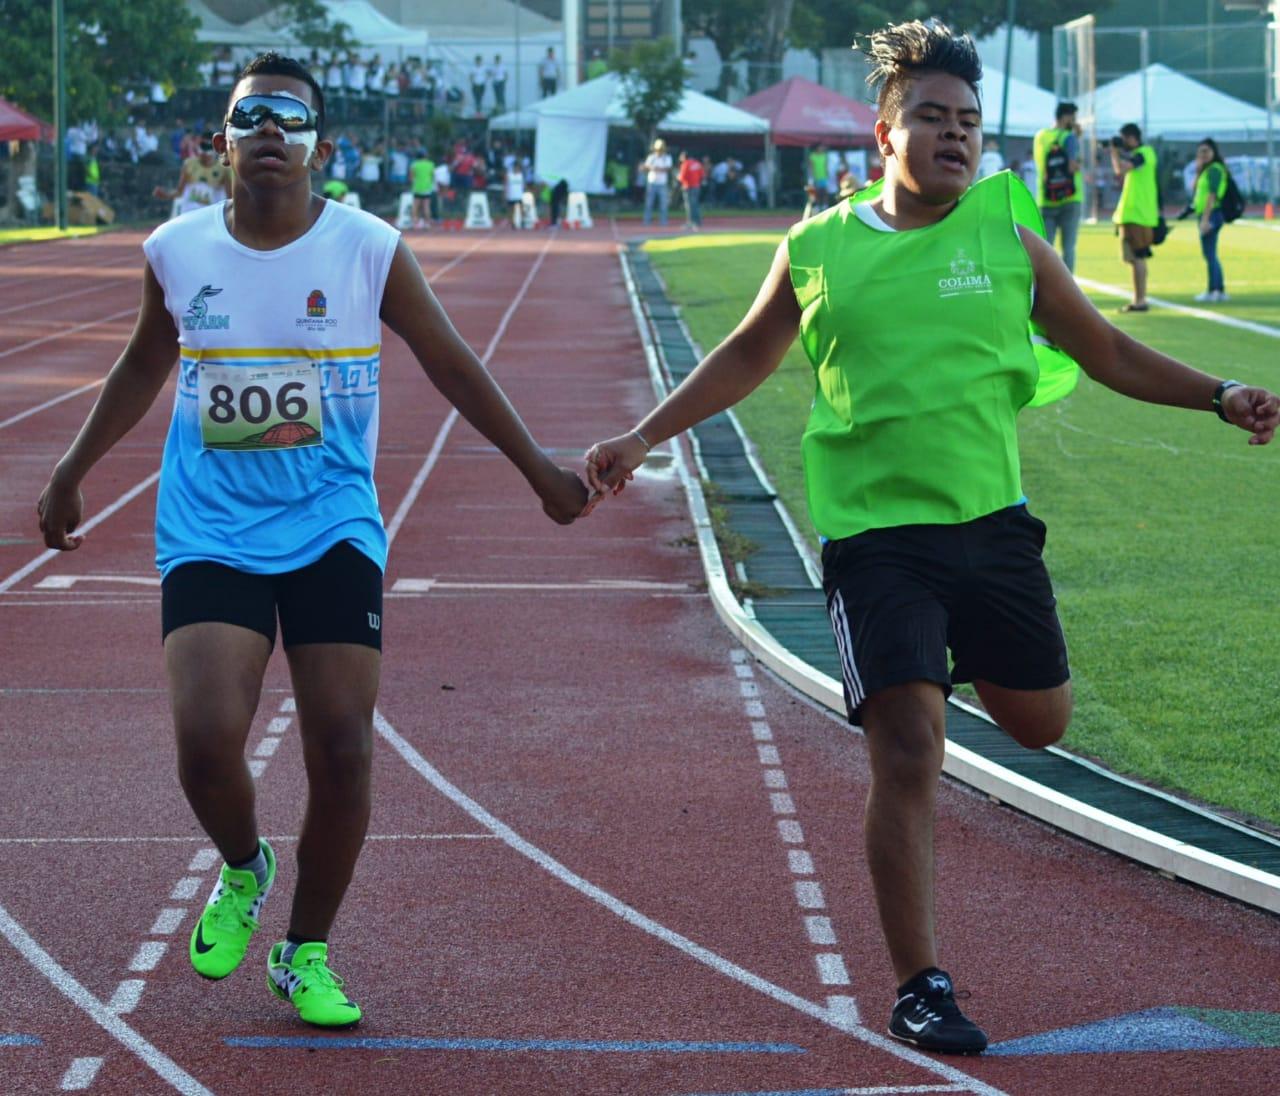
<point>1138,211</point>
<point>422,179</point>
<point>1206,204</point>
<point>913,307</point>
<point>93,172</point>
<point>1060,185</point>
<point>818,173</point>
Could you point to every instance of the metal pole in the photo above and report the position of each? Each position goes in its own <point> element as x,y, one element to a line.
<point>1273,77</point>
<point>60,114</point>
<point>519,99</point>
<point>1144,59</point>
<point>571,20</point>
<point>1010,15</point>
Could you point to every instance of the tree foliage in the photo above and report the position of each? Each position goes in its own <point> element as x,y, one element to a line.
<point>652,81</point>
<point>112,46</point>
<point>309,21</point>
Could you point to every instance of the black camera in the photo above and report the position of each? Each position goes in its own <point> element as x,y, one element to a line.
<point>1117,141</point>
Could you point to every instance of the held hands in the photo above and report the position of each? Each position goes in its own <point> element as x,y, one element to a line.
<point>59,508</point>
<point>564,498</point>
<point>1253,409</point>
<point>611,463</point>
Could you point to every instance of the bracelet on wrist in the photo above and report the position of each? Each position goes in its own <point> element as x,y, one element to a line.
<point>640,438</point>
<point>1223,388</point>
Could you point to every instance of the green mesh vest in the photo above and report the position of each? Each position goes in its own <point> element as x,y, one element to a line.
<point>922,352</point>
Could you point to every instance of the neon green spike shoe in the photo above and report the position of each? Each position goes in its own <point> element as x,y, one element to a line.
<point>314,990</point>
<point>229,919</point>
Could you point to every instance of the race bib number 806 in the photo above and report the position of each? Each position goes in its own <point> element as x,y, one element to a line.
<point>260,407</point>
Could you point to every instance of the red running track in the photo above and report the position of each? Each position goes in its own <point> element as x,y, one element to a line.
<point>608,855</point>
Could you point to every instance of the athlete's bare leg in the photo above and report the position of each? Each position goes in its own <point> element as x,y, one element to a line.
<point>215,678</point>
<point>1139,281</point>
<point>336,685</point>
<point>905,727</point>
<point>1034,718</point>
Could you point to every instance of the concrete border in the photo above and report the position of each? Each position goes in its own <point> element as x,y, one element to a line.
<point>1146,846</point>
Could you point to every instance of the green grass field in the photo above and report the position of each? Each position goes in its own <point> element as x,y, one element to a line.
<point>1163,538</point>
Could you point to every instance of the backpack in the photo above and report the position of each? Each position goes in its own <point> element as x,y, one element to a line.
<point>1232,204</point>
<point>1059,183</point>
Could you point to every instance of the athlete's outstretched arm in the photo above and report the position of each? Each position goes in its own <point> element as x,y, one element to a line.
<point>130,389</point>
<point>411,310</point>
<point>731,372</point>
<point>1132,368</point>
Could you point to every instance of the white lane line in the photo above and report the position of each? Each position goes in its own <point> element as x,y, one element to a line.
<point>257,768</point>
<point>185,889</point>
<point>768,755</point>
<point>203,860</point>
<point>790,831</point>
<point>206,858</point>
<point>87,527</point>
<point>831,969</point>
<point>69,331</point>
<point>761,732</point>
<point>279,724</point>
<point>809,895</point>
<point>775,778</point>
<point>638,920</point>
<point>64,296</point>
<point>164,1066</point>
<point>167,921</point>
<point>1186,310</point>
<point>800,862</point>
<point>433,455</point>
<point>80,1074</point>
<point>289,704</point>
<point>781,803</point>
<point>846,1009</point>
<point>754,709</point>
<point>127,995</point>
<point>149,953</point>
<point>820,931</point>
<point>741,669</point>
<point>52,403</point>
<point>748,689</point>
<point>267,747</point>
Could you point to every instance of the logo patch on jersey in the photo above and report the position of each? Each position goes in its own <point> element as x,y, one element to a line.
<point>965,278</point>
<point>317,317</point>
<point>197,316</point>
<point>316,303</point>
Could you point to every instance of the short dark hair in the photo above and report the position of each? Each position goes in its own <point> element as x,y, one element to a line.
<point>276,64</point>
<point>1064,109</point>
<point>1130,129</point>
<point>905,51</point>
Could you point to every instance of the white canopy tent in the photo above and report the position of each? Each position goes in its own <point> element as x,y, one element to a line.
<point>1168,104</point>
<point>1030,107</point>
<point>368,25</point>
<point>572,127</point>
<point>213,28</point>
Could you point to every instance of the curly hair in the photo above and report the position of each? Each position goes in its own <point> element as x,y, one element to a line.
<point>904,51</point>
<point>276,64</point>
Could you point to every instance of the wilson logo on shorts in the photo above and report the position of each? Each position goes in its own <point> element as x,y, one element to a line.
<point>316,303</point>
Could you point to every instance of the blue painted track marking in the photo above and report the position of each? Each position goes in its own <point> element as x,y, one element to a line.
<point>1153,1030</point>
<point>358,1042</point>
<point>15,1040</point>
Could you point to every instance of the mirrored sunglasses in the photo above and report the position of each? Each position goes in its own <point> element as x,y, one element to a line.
<point>289,115</point>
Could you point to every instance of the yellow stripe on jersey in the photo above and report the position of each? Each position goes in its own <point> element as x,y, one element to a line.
<point>225,353</point>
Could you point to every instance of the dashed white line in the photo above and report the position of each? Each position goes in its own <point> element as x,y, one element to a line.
<point>820,930</point>
<point>257,768</point>
<point>80,1074</point>
<point>148,955</point>
<point>754,709</point>
<point>768,755</point>
<point>775,778</point>
<point>831,969</point>
<point>167,921</point>
<point>203,861</point>
<point>743,670</point>
<point>781,803</point>
<point>761,732</point>
<point>289,704</point>
<point>809,895</point>
<point>748,689</point>
<point>279,725</point>
<point>800,862</point>
<point>790,831</point>
<point>127,995</point>
<point>267,747</point>
<point>845,1012</point>
<point>185,889</point>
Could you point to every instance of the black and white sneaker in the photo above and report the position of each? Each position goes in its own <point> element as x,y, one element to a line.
<point>927,1015</point>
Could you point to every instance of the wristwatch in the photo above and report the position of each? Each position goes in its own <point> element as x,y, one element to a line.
<point>1219,392</point>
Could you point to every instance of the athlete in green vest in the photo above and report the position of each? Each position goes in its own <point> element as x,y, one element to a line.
<point>1206,204</point>
<point>1138,211</point>
<point>1059,182</point>
<point>913,308</point>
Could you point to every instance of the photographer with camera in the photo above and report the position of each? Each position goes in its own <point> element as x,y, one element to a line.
<point>1059,184</point>
<point>1138,212</point>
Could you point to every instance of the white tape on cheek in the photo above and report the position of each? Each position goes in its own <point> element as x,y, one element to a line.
<point>307,140</point>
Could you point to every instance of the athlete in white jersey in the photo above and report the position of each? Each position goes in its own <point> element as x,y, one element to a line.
<point>267,506</point>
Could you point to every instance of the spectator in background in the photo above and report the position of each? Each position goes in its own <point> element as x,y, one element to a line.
<point>93,171</point>
<point>690,179</point>
<point>750,192</point>
<point>371,165</point>
<point>719,177</point>
<point>398,167</point>
<point>990,161</point>
<point>549,73</point>
<point>444,187</point>
<point>597,66</point>
<point>423,174</point>
<point>356,74</point>
<point>1059,186</point>
<point>498,81</point>
<point>618,174</point>
<point>479,81</point>
<point>1206,204</point>
<point>835,168</point>
<point>334,81</point>
<point>224,68</point>
<point>513,191</point>
<point>377,76</point>
<point>203,180</point>
<point>818,172</point>
<point>657,181</point>
<point>559,199</point>
<point>1138,212</point>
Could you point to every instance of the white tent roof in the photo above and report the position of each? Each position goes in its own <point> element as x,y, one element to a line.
<point>368,26</point>
<point>602,99</point>
<point>472,20</point>
<point>1030,108</point>
<point>213,28</point>
<point>1178,108</point>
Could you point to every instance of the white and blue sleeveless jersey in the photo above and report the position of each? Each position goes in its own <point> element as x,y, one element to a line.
<point>270,454</point>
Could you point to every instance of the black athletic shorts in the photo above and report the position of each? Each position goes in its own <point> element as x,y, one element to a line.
<point>899,597</point>
<point>337,599</point>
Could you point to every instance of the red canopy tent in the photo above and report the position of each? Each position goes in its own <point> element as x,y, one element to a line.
<point>18,125</point>
<point>804,113</point>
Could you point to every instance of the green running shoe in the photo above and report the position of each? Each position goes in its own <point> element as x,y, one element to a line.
<point>229,919</point>
<point>307,981</point>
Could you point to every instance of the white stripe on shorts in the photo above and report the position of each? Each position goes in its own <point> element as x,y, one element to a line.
<point>844,641</point>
